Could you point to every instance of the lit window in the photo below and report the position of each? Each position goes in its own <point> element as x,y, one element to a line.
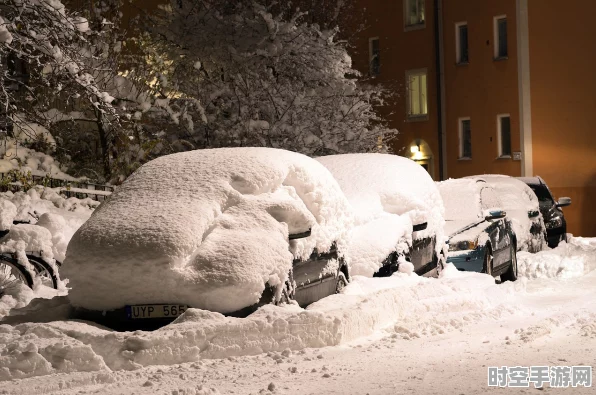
<point>374,56</point>
<point>414,12</point>
<point>461,42</point>
<point>501,37</point>
<point>417,103</point>
<point>504,126</point>
<point>465,138</point>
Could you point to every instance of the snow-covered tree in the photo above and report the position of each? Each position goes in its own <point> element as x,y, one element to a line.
<point>46,55</point>
<point>236,74</point>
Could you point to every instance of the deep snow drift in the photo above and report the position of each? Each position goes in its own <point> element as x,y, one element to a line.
<point>205,228</point>
<point>407,306</point>
<point>389,194</point>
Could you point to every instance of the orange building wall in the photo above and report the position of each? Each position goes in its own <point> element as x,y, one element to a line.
<point>563,90</point>
<point>400,51</point>
<point>481,89</point>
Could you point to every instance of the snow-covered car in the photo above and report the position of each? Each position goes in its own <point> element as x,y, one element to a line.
<point>521,205</point>
<point>556,226</point>
<point>481,237</point>
<point>223,230</point>
<point>398,213</point>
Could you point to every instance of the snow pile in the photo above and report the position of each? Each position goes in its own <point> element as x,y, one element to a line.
<point>15,296</point>
<point>389,194</point>
<point>59,218</point>
<point>571,259</point>
<point>366,306</point>
<point>518,199</point>
<point>14,156</point>
<point>206,228</point>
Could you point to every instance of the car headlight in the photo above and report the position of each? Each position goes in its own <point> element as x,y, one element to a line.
<point>463,245</point>
<point>555,222</point>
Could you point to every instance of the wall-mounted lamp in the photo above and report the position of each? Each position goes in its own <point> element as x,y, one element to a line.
<point>415,149</point>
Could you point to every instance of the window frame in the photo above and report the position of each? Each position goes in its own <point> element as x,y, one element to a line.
<point>370,56</point>
<point>460,124</point>
<point>414,26</point>
<point>496,40</point>
<point>500,137</point>
<point>458,53</point>
<point>409,115</point>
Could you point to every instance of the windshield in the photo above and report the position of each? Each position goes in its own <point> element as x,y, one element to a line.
<point>542,193</point>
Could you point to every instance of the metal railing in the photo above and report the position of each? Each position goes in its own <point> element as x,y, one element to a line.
<point>79,189</point>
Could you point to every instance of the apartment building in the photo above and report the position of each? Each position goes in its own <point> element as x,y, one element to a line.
<point>491,86</point>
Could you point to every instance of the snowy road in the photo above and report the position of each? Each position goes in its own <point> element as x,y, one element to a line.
<point>384,336</point>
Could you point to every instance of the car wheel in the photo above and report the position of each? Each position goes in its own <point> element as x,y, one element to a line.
<point>511,273</point>
<point>488,261</point>
<point>341,282</point>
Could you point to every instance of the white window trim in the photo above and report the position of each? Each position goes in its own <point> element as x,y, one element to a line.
<point>458,42</point>
<point>496,37</point>
<point>370,54</point>
<point>417,26</point>
<point>461,137</point>
<point>499,136</point>
<point>416,117</point>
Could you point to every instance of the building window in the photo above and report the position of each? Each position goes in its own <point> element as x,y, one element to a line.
<point>414,12</point>
<point>417,103</point>
<point>501,51</point>
<point>504,130</point>
<point>374,52</point>
<point>465,139</point>
<point>461,42</point>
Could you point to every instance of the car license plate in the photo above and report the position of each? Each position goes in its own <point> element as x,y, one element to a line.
<point>155,311</point>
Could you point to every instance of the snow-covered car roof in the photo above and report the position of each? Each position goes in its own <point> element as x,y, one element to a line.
<point>206,228</point>
<point>389,194</point>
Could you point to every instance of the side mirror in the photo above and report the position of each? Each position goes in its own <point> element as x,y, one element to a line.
<point>495,214</point>
<point>563,202</point>
<point>533,213</point>
<point>419,227</point>
<point>300,235</point>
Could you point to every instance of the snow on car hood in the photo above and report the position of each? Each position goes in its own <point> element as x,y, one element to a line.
<point>389,194</point>
<point>205,228</point>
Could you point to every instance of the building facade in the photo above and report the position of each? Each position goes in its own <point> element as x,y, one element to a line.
<point>490,87</point>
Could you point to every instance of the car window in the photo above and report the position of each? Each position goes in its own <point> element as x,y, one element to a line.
<point>542,193</point>
<point>489,199</point>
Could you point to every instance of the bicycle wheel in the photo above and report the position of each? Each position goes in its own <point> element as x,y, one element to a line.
<point>44,271</point>
<point>12,273</point>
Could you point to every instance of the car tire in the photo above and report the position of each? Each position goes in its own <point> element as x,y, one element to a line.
<point>488,261</point>
<point>511,273</point>
<point>341,282</point>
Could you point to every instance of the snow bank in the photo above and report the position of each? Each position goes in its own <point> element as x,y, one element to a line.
<point>389,194</point>
<point>366,306</point>
<point>206,228</point>
<point>571,259</point>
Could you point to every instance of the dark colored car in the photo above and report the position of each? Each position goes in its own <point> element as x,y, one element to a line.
<point>556,226</point>
<point>481,238</point>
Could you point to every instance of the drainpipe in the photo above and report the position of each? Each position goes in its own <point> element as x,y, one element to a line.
<point>439,66</point>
